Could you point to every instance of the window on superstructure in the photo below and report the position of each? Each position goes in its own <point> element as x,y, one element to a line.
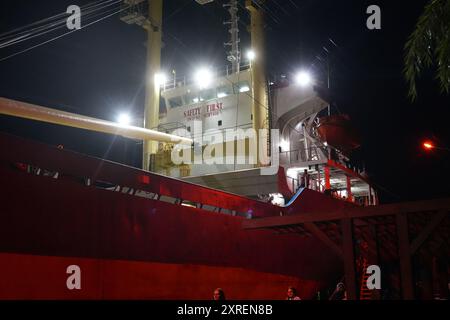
<point>241,87</point>
<point>208,94</point>
<point>191,97</point>
<point>175,102</point>
<point>224,91</point>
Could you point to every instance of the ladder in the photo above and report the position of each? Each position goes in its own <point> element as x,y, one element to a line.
<point>365,293</point>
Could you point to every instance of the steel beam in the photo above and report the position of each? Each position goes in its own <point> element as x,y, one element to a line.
<point>405,257</point>
<point>431,226</point>
<point>315,231</point>
<point>350,212</point>
<point>349,258</point>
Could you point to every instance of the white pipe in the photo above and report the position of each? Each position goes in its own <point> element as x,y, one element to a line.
<point>33,112</point>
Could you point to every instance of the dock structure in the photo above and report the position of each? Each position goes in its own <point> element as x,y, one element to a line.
<point>401,238</point>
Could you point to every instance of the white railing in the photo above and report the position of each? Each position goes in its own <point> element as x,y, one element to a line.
<point>176,82</point>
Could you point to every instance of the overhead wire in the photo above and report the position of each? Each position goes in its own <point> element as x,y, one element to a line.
<point>281,8</point>
<point>63,35</point>
<point>17,31</point>
<point>61,23</point>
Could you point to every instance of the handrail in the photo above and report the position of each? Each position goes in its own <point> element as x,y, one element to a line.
<point>219,72</point>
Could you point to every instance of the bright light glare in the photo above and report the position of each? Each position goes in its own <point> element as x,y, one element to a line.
<point>428,145</point>
<point>251,55</point>
<point>160,79</point>
<point>221,95</point>
<point>203,78</point>
<point>277,199</point>
<point>284,145</point>
<point>244,89</point>
<point>124,119</point>
<point>303,78</point>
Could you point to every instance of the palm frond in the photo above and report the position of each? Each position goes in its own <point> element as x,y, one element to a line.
<point>429,46</point>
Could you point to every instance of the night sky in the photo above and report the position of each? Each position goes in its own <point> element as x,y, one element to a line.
<point>99,71</point>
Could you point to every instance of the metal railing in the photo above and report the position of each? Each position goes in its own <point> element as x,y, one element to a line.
<point>176,82</point>
<point>301,155</point>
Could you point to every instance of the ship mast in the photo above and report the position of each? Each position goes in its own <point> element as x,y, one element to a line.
<point>234,55</point>
<point>153,25</point>
<point>154,44</point>
<point>260,107</point>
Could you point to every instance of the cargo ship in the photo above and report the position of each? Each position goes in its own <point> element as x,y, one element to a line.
<point>78,227</point>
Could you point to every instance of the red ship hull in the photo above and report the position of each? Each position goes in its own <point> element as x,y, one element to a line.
<point>130,247</point>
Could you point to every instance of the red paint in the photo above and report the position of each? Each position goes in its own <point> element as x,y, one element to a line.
<point>76,167</point>
<point>144,179</point>
<point>44,277</point>
<point>327,178</point>
<point>283,185</point>
<point>312,201</point>
<point>126,235</point>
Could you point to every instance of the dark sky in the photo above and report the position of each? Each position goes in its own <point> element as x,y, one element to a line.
<point>99,71</point>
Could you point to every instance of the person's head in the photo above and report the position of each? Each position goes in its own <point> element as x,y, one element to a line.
<point>292,292</point>
<point>219,294</point>
<point>340,286</point>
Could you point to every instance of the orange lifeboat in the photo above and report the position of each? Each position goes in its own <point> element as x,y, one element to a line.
<point>337,131</point>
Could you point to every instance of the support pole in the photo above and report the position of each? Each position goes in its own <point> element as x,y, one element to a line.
<point>327,178</point>
<point>405,257</point>
<point>349,258</point>
<point>260,105</point>
<point>349,189</point>
<point>151,117</point>
<point>318,180</point>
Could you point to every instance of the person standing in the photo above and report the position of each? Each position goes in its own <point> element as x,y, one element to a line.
<point>292,294</point>
<point>304,182</point>
<point>219,294</point>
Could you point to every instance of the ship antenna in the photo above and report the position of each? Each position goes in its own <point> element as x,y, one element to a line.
<point>234,55</point>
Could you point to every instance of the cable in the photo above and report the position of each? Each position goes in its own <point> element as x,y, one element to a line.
<point>178,10</point>
<point>51,27</point>
<point>281,8</point>
<point>62,35</point>
<point>62,24</point>
<point>293,3</point>
<point>9,34</point>
<point>268,12</point>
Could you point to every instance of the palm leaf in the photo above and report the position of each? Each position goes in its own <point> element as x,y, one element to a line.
<point>429,46</point>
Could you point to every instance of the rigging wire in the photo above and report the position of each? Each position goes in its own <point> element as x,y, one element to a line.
<point>293,3</point>
<point>63,35</point>
<point>281,8</point>
<point>15,32</point>
<point>53,27</point>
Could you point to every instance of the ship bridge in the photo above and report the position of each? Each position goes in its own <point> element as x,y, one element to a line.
<point>293,109</point>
